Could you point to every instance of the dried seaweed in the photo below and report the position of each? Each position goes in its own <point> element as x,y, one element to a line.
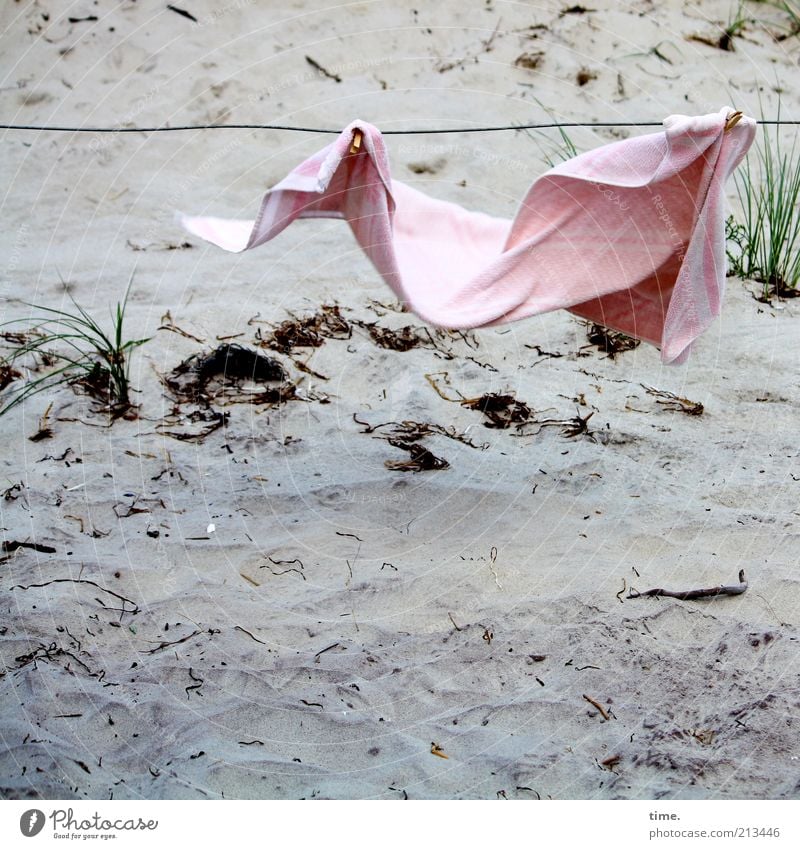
<point>421,460</point>
<point>310,331</point>
<point>7,375</point>
<point>570,428</point>
<point>611,341</point>
<point>381,307</point>
<point>409,431</point>
<point>16,337</point>
<point>438,389</point>
<point>211,419</point>
<point>218,376</point>
<point>674,403</point>
<point>576,426</point>
<point>501,410</point>
<point>403,339</point>
<point>98,383</point>
<point>168,324</point>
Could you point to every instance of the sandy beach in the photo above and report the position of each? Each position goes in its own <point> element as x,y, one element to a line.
<point>229,597</point>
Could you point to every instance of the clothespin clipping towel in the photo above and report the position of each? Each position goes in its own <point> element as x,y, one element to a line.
<point>630,235</point>
<point>356,144</point>
<point>733,120</point>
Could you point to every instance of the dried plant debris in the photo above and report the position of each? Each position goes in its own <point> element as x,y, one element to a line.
<point>736,24</point>
<point>501,410</point>
<point>9,546</point>
<point>674,403</point>
<point>575,10</point>
<point>578,425</point>
<point>437,339</point>
<point>16,337</point>
<point>421,460</point>
<point>409,431</point>
<point>530,61</point>
<point>168,324</point>
<point>196,425</point>
<point>403,339</point>
<point>310,331</point>
<point>44,431</point>
<point>13,492</point>
<point>610,341</point>
<point>691,595</point>
<point>8,374</point>
<point>380,308</point>
<point>222,376</point>
<point>780,288</point>
<point>97,383</point>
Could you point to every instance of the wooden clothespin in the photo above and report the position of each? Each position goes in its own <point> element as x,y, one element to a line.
<point>733,120</point>
<point>357,137</point>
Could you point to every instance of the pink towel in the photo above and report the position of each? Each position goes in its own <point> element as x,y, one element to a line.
<point>630,235</point>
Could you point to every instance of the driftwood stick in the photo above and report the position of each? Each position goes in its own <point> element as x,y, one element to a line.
<point>690,595</point>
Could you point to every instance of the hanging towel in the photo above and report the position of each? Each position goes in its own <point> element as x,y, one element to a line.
<point>630,235</point>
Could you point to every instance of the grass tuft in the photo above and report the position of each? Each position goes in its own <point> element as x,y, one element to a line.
<point>81,351</point>
<point>552,150</point>
<point>791,27</point>
<point>764,243</point>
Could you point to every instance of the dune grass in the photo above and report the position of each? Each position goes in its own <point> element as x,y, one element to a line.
<point>791,8</point>
<point>764,240</point>
<point>73,348</point>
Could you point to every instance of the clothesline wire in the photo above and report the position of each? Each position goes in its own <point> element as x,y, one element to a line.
<point>322,130</point>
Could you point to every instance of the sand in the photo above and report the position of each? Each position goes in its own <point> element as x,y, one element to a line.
<point>302,621</point>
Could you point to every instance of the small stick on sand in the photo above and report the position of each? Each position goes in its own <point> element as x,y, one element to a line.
<point>322,651</point>
<point>165,645</point>
<point>690,595</point>
<point>454,622</point>
<point>82,581</point>
<point>437,750</point>
<point>245,631</point>
<point>603,712</point>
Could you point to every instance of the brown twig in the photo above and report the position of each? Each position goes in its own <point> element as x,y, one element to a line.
<point>691,595</point>
<point>324,71</point>
<point>603,712</point>
<point>168,324</point>
<point>322,651</point>
<point>245,631</point>
<point>437,750</point>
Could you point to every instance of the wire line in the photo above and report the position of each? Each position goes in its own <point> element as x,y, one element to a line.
<point>322,130</point>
